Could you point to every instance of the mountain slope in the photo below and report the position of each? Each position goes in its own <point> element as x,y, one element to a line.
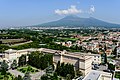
<point>74,21</point>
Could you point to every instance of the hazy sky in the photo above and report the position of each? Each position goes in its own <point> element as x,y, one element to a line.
<point>30,12</point>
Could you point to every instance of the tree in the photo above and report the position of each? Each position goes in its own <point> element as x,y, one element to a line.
<point>115,51</point>
<point>6,77</point>
<point>111,66</point>
<point>40,60</point>
<point>78,73</point>
<point>49,70</point>
<point>22,60</point>
<point>14,64</point>
<point>105,58</point>
<point>65,69</point>
<point>68,77</point>
<point>27,76</point>
<point>18,78</point>
<point>4,67</point>
<point>58,68</point>
<point>55,76</point>
<point>44,77</point>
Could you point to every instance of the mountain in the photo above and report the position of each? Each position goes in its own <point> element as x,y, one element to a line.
<point>75,21</point>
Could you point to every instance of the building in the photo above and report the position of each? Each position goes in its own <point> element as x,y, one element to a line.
<point>81,62</point>
<point>98,75</point>
<point>96,58</point>
<point>11,54</point>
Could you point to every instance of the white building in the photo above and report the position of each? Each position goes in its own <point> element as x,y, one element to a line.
<point>98,75</point>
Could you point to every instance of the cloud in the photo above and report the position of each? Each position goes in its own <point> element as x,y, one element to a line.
<point>71,10</point>
<point>92,9</point>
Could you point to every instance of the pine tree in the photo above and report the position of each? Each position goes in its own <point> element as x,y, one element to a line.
<point>105,58</point>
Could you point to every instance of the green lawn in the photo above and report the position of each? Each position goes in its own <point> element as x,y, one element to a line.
<point>8,76</point>
<point>27,69</point>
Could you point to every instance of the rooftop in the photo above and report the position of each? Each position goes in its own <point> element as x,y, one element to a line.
<point>10,51</point>
<point>95,75</point>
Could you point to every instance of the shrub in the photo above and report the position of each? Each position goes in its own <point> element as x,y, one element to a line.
<point>36,70</point>
<point>23,71</point>
<point>32,70</point>
<point>20,69</point>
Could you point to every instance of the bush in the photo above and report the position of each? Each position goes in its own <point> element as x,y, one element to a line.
<point>29,68</point>
<point>36,70</point>
<point>32,70</point>
<point>1,77</point>
<point>8,74</point>
<point>20,69</point>
<point>23,70</point>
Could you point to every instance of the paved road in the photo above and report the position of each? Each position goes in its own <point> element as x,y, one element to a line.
<point>34,76</point>
<point>37,75</point>
<point>16,73</point>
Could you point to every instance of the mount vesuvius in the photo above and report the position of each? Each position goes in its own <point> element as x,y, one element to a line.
<point>75,21</point>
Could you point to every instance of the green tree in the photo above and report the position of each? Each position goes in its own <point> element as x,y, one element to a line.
<point>22,60</point>
<point>65,69</point>
<point>58,68</point>
<point>79,73</point>
<point>4,67</point>
<point>111,66</point>
<point>14,64</point>
<point>6,77</point>
<point>18,78</point>
<point>105,58</point>
<point>27,76</point>
<point>68,77</point>
<point>115,52</point>
<point>44,77</point>
<point>49,70</point>
<point>40,60</point>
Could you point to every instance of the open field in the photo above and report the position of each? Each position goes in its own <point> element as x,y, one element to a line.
<point>14,42</point>
<point>7,41</point>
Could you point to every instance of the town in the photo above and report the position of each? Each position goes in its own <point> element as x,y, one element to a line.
<point>59,54</point>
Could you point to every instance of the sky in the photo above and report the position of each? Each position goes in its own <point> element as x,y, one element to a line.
<point>33,12</point>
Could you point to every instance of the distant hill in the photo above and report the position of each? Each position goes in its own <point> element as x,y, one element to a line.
<point>75,21</point>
